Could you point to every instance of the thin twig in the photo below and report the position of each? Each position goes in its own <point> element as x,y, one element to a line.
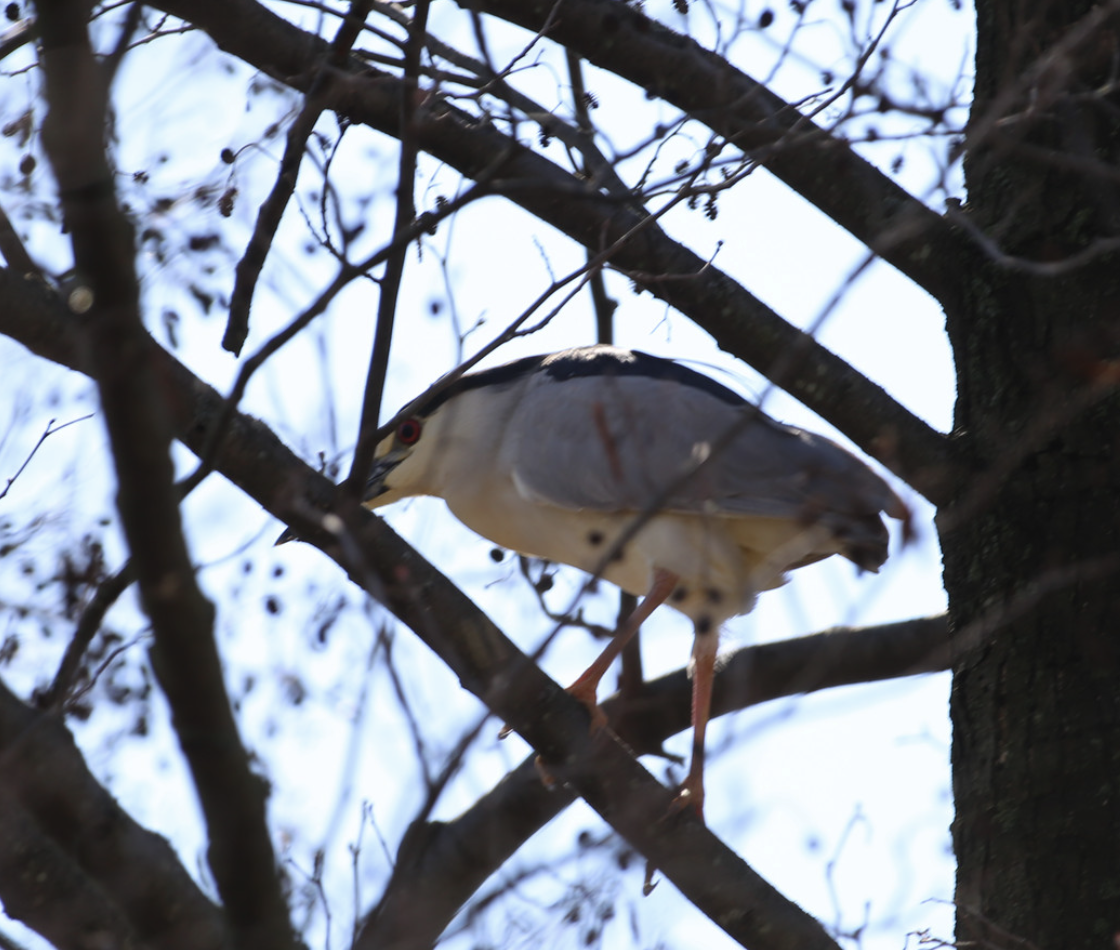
<point>108,591</point>
<point>24,32</point>
<point>272,209</point>
<point>15,253</point>
<point>410,101</point>
<point>631,675</point>
<point>347,273</point>
<point>703,85</point>
<point>50,430</point>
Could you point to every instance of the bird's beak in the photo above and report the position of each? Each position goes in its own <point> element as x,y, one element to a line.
<point>375,485</point>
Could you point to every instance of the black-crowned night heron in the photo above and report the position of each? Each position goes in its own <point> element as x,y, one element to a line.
<point>557,457</point>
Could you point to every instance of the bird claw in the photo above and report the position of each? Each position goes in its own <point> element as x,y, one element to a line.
<point>691,795</point>
<point>587,698</point>
<point>546,777</point>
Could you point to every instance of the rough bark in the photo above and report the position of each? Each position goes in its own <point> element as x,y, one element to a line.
<point>73,865</point>
<point>1036,712</point>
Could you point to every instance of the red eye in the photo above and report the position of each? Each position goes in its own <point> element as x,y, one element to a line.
<point>409,431</point>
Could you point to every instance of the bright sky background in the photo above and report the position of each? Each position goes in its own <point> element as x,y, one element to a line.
<point>841,800</point>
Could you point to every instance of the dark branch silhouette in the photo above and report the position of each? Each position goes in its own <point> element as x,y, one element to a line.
<point>601,769</point>
<point>73,863</point>
<point>272,209</point>
<point>185,656</point>
<point>739,322</point>
<point>441,864</point>
<point>819,166</point>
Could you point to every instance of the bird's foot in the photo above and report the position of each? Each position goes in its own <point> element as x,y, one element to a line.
<point>585,693</point>
<point>546,777</point>
<point>691,795</point>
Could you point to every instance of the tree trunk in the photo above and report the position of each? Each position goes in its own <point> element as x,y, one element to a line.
<point>1031,544</point>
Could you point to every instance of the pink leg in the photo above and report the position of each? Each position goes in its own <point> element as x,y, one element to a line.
<point>586,687</point>
<point>704,649</point>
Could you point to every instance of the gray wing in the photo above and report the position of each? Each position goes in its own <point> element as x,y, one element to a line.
<point>628,443</point>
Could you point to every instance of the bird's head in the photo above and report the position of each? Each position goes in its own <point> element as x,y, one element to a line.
<point>445,444</point>
<point>402,464</point>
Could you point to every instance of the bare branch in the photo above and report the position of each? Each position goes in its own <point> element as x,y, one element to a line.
<point>362,462</point>
<point>823,169</point>
<point>441,865</point>
<point>45,889</point>
<point>841,656</point>
<point>13,250</point>
<point>50,430</point>
<point>19,35</point>
<point>87,867</point>
<point>185,656</point>
<point>269,214</point>
<point>738,321</point>
<point>108,591</point>
<point>272,209</point>
<point>486,662</point>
